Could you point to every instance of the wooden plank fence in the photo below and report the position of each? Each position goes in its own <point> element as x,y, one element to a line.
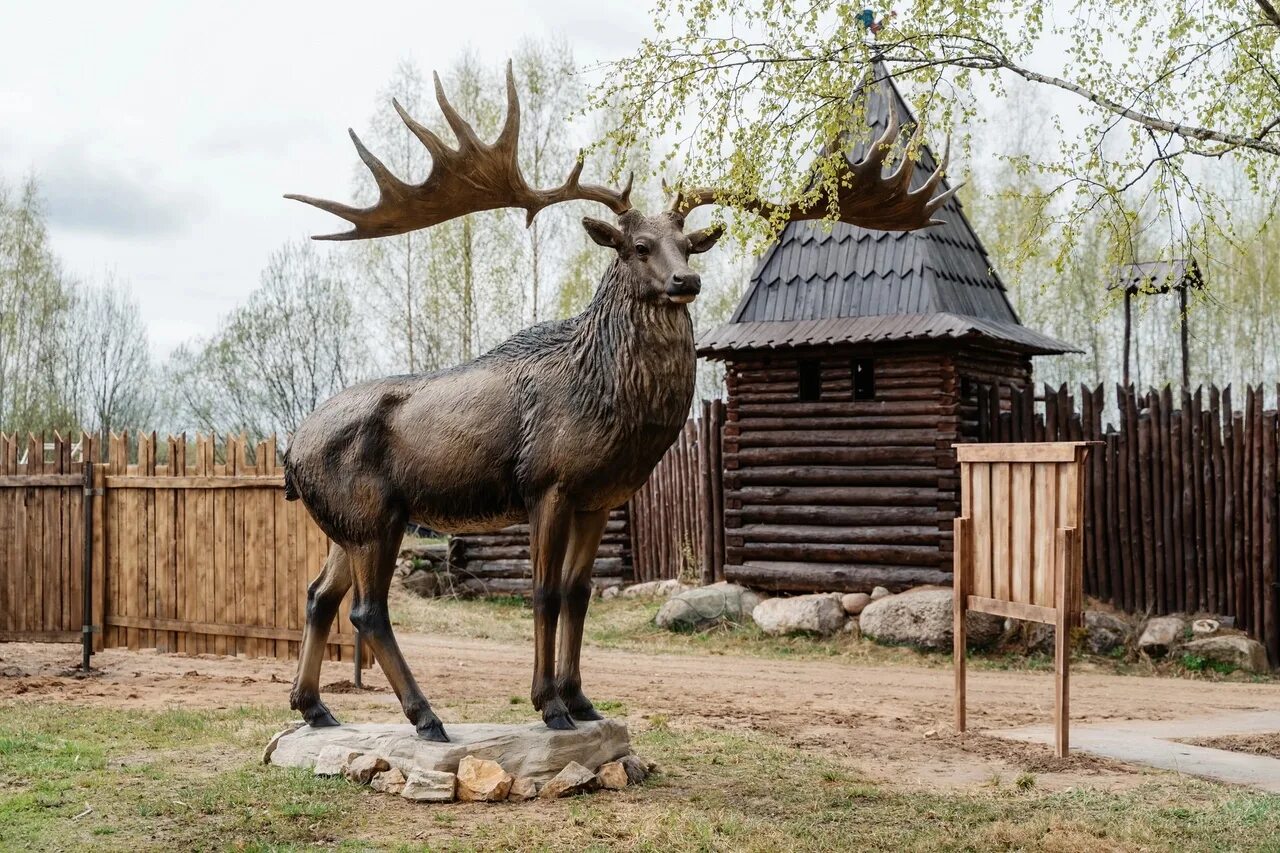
<point>1182,507</point>
<point>195,548</point>
<point>677,517</point>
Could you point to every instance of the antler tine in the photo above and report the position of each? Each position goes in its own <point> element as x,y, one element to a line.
<point>509,137</point>
<point>864,195</point>
<point>434,144</point>
<point>467,139</point>
<point>473,178</point>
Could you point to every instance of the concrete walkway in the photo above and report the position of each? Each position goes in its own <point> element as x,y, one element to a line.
<point>1154,744</point>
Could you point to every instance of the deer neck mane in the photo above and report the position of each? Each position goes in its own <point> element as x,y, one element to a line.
<point>637,353</point>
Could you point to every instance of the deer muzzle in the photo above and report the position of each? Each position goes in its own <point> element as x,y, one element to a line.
<point>684,287</point>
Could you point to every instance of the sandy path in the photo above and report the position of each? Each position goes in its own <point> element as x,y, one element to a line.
<point>892,723</point>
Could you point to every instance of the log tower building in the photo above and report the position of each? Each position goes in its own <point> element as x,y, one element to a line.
<point>852,367</point>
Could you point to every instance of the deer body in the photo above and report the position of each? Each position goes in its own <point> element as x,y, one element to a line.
<point>556,426</point>
<point>586,405</point>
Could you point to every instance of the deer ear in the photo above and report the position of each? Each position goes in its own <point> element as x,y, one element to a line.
<point>701,241</point>
<point>602,233</point>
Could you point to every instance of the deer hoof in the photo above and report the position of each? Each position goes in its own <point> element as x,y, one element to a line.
<point>587,714</point>
<point>433,730</point>
<point>320,717</point>
<point>556,716</point>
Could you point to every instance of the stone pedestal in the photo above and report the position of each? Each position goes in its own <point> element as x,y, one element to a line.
<point>529,750</point>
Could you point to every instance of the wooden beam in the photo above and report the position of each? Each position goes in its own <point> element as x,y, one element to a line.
<point>255,631</point>
<point>252,481</point>
<point>1013,609</point>
<point>1041,451</point>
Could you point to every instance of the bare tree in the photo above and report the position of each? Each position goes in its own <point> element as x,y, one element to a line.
<point>107,373</point>
<point>295,342</point>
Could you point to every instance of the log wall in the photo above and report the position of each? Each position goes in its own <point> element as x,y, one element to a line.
<point>844,494</point>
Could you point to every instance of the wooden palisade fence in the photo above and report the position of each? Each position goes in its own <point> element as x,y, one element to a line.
<point>1182,507</point>
<point>677,518</point>
<point>197,553</point>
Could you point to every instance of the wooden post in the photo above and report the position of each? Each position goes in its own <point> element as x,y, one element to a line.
<point>1065,594</point>
<point>1128,332</point>
<point>963,555</point>
<point>86,600</point>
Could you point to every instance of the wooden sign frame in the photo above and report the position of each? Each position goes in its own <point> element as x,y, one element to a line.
<point>1017,549</point>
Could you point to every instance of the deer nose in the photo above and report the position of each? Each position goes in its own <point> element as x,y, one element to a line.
<point>684,284</point>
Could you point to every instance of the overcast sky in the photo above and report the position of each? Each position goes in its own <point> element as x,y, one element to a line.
<point>163,134</point>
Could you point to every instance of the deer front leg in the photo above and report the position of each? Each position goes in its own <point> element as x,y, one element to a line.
<point>372,567</point>
<point>323,598</point>
<point>584,541</point>
<point>549,522</point>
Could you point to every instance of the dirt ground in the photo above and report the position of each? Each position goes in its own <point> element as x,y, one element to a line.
<point>891,723</point>
<point>1265,744</point>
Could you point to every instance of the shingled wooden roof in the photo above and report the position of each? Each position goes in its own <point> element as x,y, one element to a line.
<point>820,284</point>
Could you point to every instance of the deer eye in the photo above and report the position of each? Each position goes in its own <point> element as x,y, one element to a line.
<point>642,250</point>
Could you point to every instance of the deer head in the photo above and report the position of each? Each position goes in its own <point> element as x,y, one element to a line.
<point>477,176</point>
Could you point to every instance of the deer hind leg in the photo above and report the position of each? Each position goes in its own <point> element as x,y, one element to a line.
<point>549,523</point>
<point>323,598</point>
<point>372,566</point>
<point>584,541</point>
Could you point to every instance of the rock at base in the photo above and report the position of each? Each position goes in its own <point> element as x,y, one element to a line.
<point>653,589</point>
<point>522,788</point>
<point>275,739</point>
<point>481,780</point>
<point>430,786</point>
<point>1234,650</point>
<point>854,602</point>
<point>363,768</point>
<point>820,614</point>
<point>613,776</point>
<point>879,592</point>
<point>426,584</point>
<point>922,618</point>
<point>611,592</point>
<point>572,780</point>
<point>706,607</point>
<point>637,768</point>
<point>530,749</point>
<point>332,760</point>
<point>1161,635</point>
<point>388,782</point>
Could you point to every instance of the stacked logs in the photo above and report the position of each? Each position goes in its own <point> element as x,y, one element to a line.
<point>498,563</point>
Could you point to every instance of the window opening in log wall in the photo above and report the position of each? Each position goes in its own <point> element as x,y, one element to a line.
<point>810,370</point>
<point>864,379</point>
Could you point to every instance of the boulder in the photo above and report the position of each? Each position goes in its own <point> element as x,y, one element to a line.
<point>523,788</point>
<point>363,768</point>
<point>572,780</point>
<point>1202,628</point>
<point>654,589</point>
<point>1161,635</point>
<point>611,592</point>
<point>637,768</point>
<point>854,602</point>
<point>388,781</point>
<point>707,606</point>
<point>922,618</point>
<point>613,776</point>
<point>426,584</point>
<point>820,614</point>
<point>331,761</point>
<point>1103,632</point>
<point>1234,650</point>
<point>430,786</point>
<point>481,780</point>
<point>879,592</point>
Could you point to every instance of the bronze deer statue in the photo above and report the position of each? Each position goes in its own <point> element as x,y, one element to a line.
<point>556,426</point>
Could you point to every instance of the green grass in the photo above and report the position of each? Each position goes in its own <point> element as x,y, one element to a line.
<point>192,781</point>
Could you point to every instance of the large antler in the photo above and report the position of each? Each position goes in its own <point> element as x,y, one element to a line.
<point>472,178</point>
<point>866,197</point>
